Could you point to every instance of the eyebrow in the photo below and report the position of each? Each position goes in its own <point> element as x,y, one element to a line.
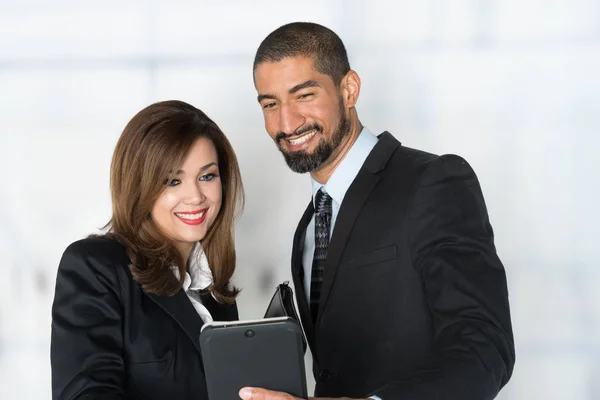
<point>293,90</point>
<point>204,168</point>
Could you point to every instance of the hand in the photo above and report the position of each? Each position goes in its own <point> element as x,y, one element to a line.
<point>250,393</point>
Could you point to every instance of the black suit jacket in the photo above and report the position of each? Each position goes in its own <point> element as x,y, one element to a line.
<point>414,303</point>
<point>111,340</point>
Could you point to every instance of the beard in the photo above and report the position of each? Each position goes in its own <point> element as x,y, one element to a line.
<point>302,161</point>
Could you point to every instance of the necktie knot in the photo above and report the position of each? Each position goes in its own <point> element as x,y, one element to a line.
<point>323,202</point>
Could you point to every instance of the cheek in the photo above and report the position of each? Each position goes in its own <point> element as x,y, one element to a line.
<point>271,125</point>
<point>317,112</point>
<point>218,200</point>
<point>164,205</point>
<point>327,116</point>
<point>215,194</point>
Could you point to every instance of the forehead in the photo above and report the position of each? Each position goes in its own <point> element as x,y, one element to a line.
<point>273,77</point>
<point>201,151</point>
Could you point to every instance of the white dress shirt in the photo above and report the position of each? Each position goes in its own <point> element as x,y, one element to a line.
<point>197,277</point>
<point>336,187</point>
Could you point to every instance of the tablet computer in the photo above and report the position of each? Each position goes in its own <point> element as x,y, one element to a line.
<point>264,353</point>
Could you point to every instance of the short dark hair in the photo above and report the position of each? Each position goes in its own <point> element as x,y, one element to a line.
<point>307,39</point>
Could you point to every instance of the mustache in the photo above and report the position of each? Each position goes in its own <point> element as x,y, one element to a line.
<point>301,130</point>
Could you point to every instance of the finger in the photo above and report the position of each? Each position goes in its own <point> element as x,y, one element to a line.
<point>252,393</point>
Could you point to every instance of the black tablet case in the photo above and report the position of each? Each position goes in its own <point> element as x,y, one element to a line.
<point>266,353</point>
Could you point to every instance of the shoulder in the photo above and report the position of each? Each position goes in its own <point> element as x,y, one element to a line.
<point>414,167</point>
<point>94,257</point>
<point>423,164</point>
<point>418,159</point>
<point>406,159</point>
<point>447,168</point>
<point>100,247</point>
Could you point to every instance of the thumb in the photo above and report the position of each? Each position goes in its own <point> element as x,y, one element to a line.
<point>252,393</point>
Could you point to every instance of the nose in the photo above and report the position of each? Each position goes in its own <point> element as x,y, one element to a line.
<point>289,119</point>
<point>193,194</point>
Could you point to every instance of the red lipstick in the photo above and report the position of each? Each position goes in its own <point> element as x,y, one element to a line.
<point>191,217</point>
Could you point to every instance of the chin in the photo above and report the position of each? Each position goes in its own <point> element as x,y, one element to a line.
<point>193,238</point>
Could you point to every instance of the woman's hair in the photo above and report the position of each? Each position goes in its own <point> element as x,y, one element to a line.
<point>151,148</point>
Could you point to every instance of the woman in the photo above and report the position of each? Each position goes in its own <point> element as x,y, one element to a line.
<point>129,304</point>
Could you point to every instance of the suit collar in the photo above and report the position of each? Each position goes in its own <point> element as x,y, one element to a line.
<point>381,153</point>
<point>298,245</point>
<point>298,275</point>
<point>218,311</point>
<point>344,174</point>
<point>197,277</point>
<point>355,198</point>
<point>182,311</point>
<point>357,194</point>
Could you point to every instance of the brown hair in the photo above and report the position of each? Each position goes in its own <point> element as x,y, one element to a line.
<point>152,146</point>
<point>306,39</point>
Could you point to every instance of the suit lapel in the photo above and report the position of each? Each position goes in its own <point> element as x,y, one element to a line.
<point>219,312</point>
<point>353,202</point>
<point>355,198</point>
<point>298,275</point>
<point>182,311</point>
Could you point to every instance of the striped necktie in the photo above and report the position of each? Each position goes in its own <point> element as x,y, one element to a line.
<point>322,228</point>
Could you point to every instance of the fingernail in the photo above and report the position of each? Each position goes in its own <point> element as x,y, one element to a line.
<point>246,393</point>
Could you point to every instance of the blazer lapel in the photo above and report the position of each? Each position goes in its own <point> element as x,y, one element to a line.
<point>355,198</point>
<point>298,275</point>
<point>183,312</point>
<point>219,312</point>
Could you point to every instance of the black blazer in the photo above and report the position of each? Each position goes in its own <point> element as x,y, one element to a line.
<point>414,303</point>
<point>111,340</point>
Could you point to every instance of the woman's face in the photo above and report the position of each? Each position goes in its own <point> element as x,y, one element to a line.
<point>189,205</point>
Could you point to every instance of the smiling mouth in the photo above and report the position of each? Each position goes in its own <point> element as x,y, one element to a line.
<point>197,215</point>
<point>304,138</point>
<point>192,218</point>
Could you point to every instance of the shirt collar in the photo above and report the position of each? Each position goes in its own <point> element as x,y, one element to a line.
<point>198,275</point>
<point>346,172</point>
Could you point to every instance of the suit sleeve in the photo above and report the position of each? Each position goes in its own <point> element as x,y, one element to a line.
<point>86,341</point>
<point>452,248</point>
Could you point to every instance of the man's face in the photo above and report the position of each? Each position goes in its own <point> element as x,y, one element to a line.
<point>303,110</point>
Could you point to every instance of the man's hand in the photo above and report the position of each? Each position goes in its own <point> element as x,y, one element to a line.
<point>250,393</point>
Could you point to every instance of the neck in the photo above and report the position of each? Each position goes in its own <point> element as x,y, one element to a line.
<point>185,249</point>
<point>327,169</point>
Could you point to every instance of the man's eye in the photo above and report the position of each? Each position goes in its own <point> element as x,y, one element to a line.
<point>305,95</point>
<point>268,105</point>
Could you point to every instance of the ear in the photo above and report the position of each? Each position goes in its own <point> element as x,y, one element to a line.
<point>350,88</point>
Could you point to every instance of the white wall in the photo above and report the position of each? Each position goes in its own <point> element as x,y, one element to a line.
<point>510,85</point>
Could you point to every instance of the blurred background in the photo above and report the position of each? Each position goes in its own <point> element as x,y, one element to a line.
<point>511,85</point>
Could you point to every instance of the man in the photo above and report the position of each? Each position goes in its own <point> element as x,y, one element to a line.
<point>399,288</point>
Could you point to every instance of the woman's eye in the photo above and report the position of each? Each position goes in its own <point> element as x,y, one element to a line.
<point>174,182</point>
<point>207,177</point>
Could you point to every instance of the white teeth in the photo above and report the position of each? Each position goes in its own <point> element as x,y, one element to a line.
<point>302,139</point>
<point>191,216</point>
